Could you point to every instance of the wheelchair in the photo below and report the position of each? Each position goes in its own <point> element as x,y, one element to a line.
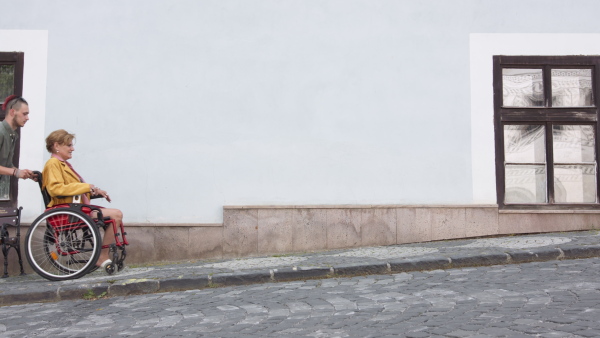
<point>65,242</point>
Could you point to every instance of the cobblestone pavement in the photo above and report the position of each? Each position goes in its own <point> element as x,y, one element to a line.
<point>334,263</point>
<point>543,299</point>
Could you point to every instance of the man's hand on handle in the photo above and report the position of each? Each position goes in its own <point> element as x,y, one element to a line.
<point>25,174</point>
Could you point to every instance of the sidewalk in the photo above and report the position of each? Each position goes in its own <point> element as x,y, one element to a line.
<point>336,263</point>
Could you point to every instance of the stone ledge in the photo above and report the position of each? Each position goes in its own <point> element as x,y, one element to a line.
<point>155,225</point>
<point>184,225</point>
<point>359,206</point>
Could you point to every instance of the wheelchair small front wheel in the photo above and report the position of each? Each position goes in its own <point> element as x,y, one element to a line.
<point>110,268</point>
<point>62,244</point>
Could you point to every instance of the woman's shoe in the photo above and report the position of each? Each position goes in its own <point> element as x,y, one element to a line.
<point>108,266</point>
<point>105,263</point>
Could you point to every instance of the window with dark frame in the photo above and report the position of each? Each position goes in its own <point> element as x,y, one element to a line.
<point>546,124</point>
<point>11,82</point>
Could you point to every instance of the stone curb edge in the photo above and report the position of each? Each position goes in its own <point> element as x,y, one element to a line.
<point>182,283</point>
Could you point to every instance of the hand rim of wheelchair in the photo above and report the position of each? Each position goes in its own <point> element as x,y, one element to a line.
<point>78,230</point>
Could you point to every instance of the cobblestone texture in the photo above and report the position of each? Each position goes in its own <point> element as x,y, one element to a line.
<point>544,299</point>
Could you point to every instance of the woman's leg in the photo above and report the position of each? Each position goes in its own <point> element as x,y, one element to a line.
<point>109,234</point>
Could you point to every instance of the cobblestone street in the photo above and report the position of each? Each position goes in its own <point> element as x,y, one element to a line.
<point>546,299</point>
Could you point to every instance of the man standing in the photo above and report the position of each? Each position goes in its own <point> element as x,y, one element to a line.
<point>17,114</point>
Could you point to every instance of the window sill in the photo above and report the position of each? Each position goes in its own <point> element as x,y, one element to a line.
<point>538,211</point>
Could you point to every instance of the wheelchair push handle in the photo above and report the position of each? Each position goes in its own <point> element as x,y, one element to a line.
<point>39,177</point>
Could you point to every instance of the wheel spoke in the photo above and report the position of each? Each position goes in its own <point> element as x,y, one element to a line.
<point>62,244</point>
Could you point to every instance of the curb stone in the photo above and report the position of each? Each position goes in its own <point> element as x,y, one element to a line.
<point>286,274</point>
<point>183,283</point>
<point>12,298</point>
<point>231,279</point>
<point>362,269</point>
<point>431,263</point>
<point>572,252</point>
<point>133,287</point>
<point>73,292</point>
<point>479,260</point>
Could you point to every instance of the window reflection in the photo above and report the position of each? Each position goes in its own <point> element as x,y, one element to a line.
<point>575,183</point>
<point>522,87</point>
<point>573,143</point>
<point>574,163</point>
<point>7,81</point>
<point>525,184</point>
<point>525,159</point>
<point>571,87</point>
<point>4,188</point>
<point>524,144</point>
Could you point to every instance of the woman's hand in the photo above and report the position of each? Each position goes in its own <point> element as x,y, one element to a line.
<point>99,192</point>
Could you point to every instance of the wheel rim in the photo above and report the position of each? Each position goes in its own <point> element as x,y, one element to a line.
<point>61,245</point>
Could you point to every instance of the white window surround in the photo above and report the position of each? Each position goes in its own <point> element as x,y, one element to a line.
<point>482,48</point>
<point>34,43</point>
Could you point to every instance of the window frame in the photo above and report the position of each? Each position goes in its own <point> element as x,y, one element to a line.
<point>547,116</point>
<point>17,59</point>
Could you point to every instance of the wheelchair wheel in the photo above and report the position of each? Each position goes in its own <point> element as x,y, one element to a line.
<point>82,238</point>
<point>62,244</point>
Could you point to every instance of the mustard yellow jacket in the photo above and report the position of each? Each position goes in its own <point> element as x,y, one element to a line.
<point>61,182</point>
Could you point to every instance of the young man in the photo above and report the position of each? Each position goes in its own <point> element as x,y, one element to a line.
<point>17,114</point>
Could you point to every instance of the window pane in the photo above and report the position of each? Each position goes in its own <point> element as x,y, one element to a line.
<point>525,184</point>
<point>571,87</point>
<point>524,144</point>
<point>7,81</point>
<point>522,87</point>
<point>4,188</point>
<point>573,144</point>
<point>575,183</point>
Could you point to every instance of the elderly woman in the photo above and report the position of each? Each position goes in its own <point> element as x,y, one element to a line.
<point>63,183</point>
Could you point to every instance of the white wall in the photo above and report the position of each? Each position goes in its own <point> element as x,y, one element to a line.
<point>181,107</point>
<point>34,43</point>
<point>482,48</point>
<point>203,104</point>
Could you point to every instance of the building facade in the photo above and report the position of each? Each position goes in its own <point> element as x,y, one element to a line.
<point>235,128</point>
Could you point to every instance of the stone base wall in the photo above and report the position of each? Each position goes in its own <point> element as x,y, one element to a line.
<point>259,230</point>
<point>268,230</point>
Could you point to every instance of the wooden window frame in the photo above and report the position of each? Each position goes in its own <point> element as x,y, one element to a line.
<point>546,116</point>
<point>17,59</point>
